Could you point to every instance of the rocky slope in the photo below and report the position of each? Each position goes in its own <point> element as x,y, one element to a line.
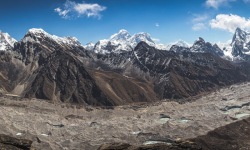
<point>40,65</point>
<point>233,136</point>
<point>63,78</point>
<point>61,70</point>
<point>12,72</point>
<point>175,75</point>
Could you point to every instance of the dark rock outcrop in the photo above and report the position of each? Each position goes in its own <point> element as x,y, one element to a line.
<point>174,146</point>
<point>11,143</point>
<point>234,136</point>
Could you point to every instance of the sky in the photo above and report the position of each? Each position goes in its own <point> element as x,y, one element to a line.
<point>92,20</point>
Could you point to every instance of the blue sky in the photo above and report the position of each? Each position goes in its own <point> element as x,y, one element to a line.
<point>92,20</point>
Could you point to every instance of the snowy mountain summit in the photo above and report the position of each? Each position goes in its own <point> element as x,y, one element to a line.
<point>240,43</point>
<point>123,41</point>
<point>181,43</point>
<point>239,47</point>
<point>201,46</point>
<point>39,35</point>
<point>6,42</point>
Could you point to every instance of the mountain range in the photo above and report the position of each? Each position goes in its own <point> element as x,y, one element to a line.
<point>236,50</point>
<point>120,70</point>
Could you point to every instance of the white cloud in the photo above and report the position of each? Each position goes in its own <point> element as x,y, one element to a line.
<point>199,26</point>
<point>61,13</point>
<point>217,3</point>
<point>72,9</point>
<point>157,24</point>
<point>199,18</point>
<point>246,1</point>
<point>199,22</point>
<point>229,22</point>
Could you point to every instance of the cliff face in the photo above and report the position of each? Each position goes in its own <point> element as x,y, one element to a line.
<point>63,78</point>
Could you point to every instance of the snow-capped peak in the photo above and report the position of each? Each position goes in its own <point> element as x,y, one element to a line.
<point>38,35</point>
<point>142,36</point>
<point>89,46</point>
<point>37,31</point>
<point>200,40</point>
<point>240,44</point>
<point>181,43</point>
<point>121,35</point>
<point>6,41</point>
<point>241,36</point>
<point>123,41</point>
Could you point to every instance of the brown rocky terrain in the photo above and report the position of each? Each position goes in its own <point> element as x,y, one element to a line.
<point>63,78</point>
<point>66,126</point>
<point>53,91</point>
<point>59,69</point>
<point>235,136</point>
<point>123,90</point>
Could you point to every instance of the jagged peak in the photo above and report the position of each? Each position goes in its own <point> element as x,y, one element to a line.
<point>201,39</point>
<point>121,35</point>
<point>90,43</point>
<point>216,45</point>
<point>6,35</point>
<point>142,36</point>
<point>72,38</point>
<point>143,33</point>
<point>238,29</point>
<point>240,36</point>
<point>181,43</point>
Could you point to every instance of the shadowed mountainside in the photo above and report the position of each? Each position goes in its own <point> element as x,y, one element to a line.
<point>60,69</point>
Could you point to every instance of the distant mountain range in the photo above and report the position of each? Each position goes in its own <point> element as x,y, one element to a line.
<point>123,41</point>
<point>120,70</point>
<point>237,49</point>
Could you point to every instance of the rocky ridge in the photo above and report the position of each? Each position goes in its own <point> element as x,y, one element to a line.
<point>141,74</point>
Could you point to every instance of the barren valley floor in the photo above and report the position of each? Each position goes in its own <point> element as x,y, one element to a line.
<point>55,126</point>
